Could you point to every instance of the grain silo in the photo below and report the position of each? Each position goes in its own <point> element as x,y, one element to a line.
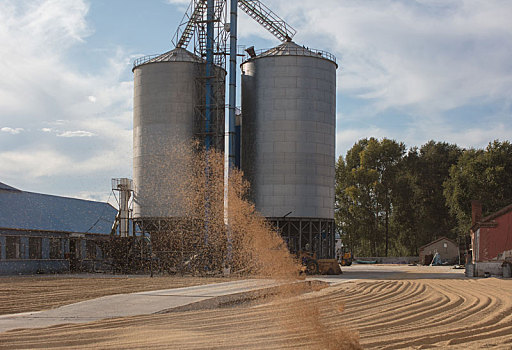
<point>168,113</point>
<point>288,142</point>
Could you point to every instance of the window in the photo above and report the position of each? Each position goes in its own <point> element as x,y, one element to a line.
<point>12,247</point>
<point>34,248</point>
<point>55,248</point>
<point>90,247</point>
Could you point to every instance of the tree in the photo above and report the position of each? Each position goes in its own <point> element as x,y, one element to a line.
<point>365,182</point>
<point>483,175</point>
<point>350,219</point>
<point>405,219</point>
<point>422,211</point>
<point>391,203</point>
<point>384,157</point>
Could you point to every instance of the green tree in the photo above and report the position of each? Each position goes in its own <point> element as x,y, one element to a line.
<point>423,214</point>
<point>348,216</point>
<point>405,213</point>
<point>365,183</point>
<point>484,175</point>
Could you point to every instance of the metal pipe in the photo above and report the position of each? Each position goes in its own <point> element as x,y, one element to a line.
<point>209,69</point>
<point>232,106</point>
<point>232,81</point>
<point>208,103</point>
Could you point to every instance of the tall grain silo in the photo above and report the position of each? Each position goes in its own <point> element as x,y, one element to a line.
<point>168,113</point>
<point>288,142</point>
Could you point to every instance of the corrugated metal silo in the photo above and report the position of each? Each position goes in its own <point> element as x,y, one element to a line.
<point>168,98</point>
<point>288,142</point>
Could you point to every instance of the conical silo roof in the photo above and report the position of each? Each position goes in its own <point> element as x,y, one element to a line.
<point>290,48</point>
<point>175,55</point>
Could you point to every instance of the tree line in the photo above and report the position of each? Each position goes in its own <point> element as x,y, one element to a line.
<point>391,200</point>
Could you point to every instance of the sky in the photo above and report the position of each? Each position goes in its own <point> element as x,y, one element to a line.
<point>410,70</point>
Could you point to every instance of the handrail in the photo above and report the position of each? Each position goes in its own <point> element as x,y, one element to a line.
<point>143,59</point>
<point>295,51</point>
<point>292,51</point>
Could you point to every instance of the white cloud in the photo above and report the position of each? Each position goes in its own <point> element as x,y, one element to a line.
<point>471,136</point>
<point>181,5</point>
<point>426,61</point>
<point>36,163</point>
<point>49,162</point>
<point>43,90</point>
<point>12,131</point>
<point>96,196</point>
<point>425,56</point>
<point>345,139</point>
<point>419,134</point>
<point>419,58</point>
<point>77,133</point>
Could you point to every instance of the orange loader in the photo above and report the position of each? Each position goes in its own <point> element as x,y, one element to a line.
<point>313,266</point>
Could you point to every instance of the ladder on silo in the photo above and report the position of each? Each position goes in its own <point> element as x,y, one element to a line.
<point>268,19</point>
<point>211,127</point>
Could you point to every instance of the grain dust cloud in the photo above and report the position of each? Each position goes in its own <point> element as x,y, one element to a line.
<point>211,238</point>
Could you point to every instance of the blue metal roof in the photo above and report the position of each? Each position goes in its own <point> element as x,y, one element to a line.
<point>36,211</point>
<point>7,188</point>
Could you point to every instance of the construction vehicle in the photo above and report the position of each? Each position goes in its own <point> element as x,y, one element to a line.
<point>343,254</point>
<point>313,266</point>
<point>345,258</point>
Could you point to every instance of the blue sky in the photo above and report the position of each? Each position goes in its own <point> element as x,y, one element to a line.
<point>409,70</point>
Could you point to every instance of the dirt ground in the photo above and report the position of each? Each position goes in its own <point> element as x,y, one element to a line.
<point>35,293</point>
<point>387,307</point>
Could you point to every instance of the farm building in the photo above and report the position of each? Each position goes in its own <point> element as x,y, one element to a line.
<point>491,237</point>
<point>491,241</point>
<point>41,233</point>
<point>447,249</point>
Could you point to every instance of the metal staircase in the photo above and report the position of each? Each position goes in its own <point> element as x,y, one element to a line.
<point>193,16</point>
<point>194,22</point>
<point>268,19</point>
<point>201,41</point>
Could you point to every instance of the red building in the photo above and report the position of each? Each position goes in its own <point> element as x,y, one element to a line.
<point>491,237</point>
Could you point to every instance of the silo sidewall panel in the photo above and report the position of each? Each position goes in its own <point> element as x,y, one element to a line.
<point>288,134</point>
<point>164,100</point>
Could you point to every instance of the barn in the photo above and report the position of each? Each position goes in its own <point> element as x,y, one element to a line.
<point>41,233</point>
<point>491,239</point>
<point>447,249</point>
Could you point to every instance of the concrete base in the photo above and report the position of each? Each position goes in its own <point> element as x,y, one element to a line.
<point>485,269</point>
<point>470,270</point>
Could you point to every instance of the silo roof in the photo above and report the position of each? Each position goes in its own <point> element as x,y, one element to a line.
<point>37,211</point>
<point>176,55</point>
<point>290,48</point>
